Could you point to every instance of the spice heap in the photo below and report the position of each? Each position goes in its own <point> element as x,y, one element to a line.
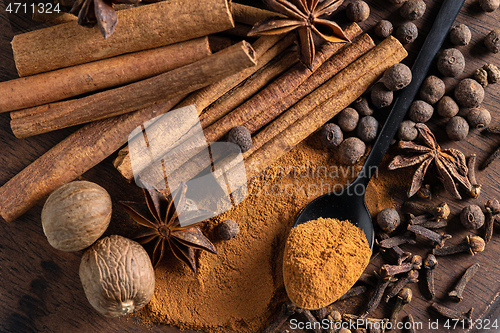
<point>322,260</point>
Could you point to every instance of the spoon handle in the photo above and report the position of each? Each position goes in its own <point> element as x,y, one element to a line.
<point>445,18</point>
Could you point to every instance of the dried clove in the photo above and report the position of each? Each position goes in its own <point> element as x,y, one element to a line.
<point>429,234</point>
<point>496,153</point>
<point>452,314</point>
<point>354,291</point>
<point>468,275</point>
<point>315,324</point>
<point>425,192</point>
<point>334,318</point>
<point>322,313</point>
<point>427,221</point>
<point>494,205</point>
<point>404,297</point>
<point>476,188</point>
<point>384,279</point>
<point>396,250</point>
<point>488,225</point>
<point>287,309</point>
<point>472,244</point>
<point>430,264</point>
<point>411,321</point>
<point>368,322</point>
<point>409,277</point>
<point>439,212</point>
<point>405,238</point>
<point>414,263</point>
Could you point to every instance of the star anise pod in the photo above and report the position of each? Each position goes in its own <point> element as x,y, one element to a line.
<point>450,163</point>
<point>164,226</point>
<point>303,16</point>
<point>90,12</point>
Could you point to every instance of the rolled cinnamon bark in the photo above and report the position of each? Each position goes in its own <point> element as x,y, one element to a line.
<point>98,75</point>
<point>145,27</point>
<point>50,117</point>
<point>250,15</point>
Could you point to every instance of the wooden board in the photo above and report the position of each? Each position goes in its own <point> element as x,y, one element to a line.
<point>41,291</point>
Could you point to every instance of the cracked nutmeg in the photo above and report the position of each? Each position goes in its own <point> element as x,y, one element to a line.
<point>303,16</point>
<point>165,227</point>
<point>450,163</point>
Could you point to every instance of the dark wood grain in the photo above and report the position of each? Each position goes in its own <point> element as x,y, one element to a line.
<point>41,291</point>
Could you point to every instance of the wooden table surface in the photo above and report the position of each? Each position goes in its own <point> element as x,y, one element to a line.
<point>41,290</point>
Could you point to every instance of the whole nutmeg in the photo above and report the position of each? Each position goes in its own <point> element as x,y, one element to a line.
<point>397,77</point>
<point>492,41</point>
<point>447,107</point>
<point>457,128</point>
<point>479,117</point>
<point>351,150</point>
<point>388,220</point>
<point>76,215</point>
<point>383,29</point>
<point>117,276</point>
<point>451,62</point>
<point>489,5</point>
<point>241,136</point>
<point>469,93</point>
<point>460,34</point>
<point>472,217</point>
<point>432,89</point>
<point>228,229</point>
<point>406,33</point>
<point>412,10</point>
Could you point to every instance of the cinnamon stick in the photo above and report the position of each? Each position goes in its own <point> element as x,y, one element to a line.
<point>98,75</point>
<point>250,15</point>
<point>145,27</point>
<point>49,117</point>
<point>266,48</point>
<point>325,102</point>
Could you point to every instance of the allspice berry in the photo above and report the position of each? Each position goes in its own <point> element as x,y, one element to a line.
<point>447,107</point>
<point>479,117</point>
<point>351,150</point>
<point>457,128</point>
<point>357,11</point>
<point>406,33</point>
<point>361,105</point>
<point>469,93</point>
<point>383,29</point>
<point>492,41</point>
<point>460,35</point>
<point>420,111</point>
<point>407,131</point>
<point>432,89</point>
<point>451,62</point>
<point>388,220</point>
<point>397,77</point>
<point>348,119</point>
<point>76,215</point>
<point>493,73</point>
<point>412,10</point>
<point>367,128</point>
<point>117,276</point>
<point>241,136</point>
<point>472,217</point>
<point>331,135</point>
<point>489,5</point>
<point>381,96</point>
<point>481,76</point>
<point>228,229</point>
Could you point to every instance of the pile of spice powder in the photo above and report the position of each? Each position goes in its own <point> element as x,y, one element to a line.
<point>322,261</point>
<point>240,288</point>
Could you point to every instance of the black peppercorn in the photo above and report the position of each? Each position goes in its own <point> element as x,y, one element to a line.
<point>493,73</point>
<point>472,217</point>
<point>367,129</point>
<point>228,229</point>
<point>351,150</point>
<point>361,105</point>
<point>447,107</point>
<point>432,89</point>
<point>348,119</point>
<point>383,29</point>
<point>412,10</point>
<point>388,220</point>
<point>407,33</point>
<point>489,5</point>
<point>357,11</point>
<point>481,76</point>
<point>397,77</point>
<point>381,96</point>
<point>241,136</point>
<point>451,62</point>
<point>331,135</point>
<point>407,131</point>
<point>457,128</point>
<point>420,111</point>
<point>469,93</point>
<point>460,34</point>
<point>492,41</point>
<point>479,117</point>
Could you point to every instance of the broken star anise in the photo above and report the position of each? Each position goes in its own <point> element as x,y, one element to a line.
<point>90,12</point>
<point>166,228</point>
<point>304,17</point>
<point>450,163</point>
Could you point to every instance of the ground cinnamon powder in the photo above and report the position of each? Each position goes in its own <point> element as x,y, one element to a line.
<point>239,289</point>
<point>322,260</point>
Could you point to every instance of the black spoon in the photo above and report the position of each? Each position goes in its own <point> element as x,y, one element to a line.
<point>349,204</point>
